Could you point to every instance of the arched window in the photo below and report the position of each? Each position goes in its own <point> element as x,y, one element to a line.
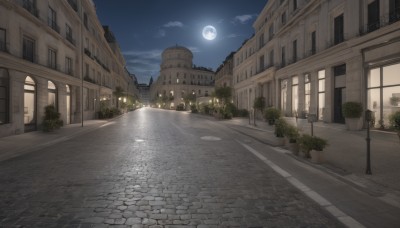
<point>29,104</point>
<point>52,94</point>
<point>4,96</point>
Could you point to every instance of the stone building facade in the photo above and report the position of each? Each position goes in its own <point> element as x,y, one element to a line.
<point>311,56</point>
<point>179,77</point>
<point>55,52</point>
<point>224,73</point>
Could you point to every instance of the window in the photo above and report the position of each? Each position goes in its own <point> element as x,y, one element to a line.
<point>85,20</point>
<point>86,98</point>
<point>307,93</point>
<point>28,49</point>
<point>86,70</point>
<point>30,5</point>
<point>52,94</point>
<point>295,51</point>
<point>339,70</point>
<point>29,101</point>
<point>261,63</point>
<point>52,59</point>
<point>373,16</point>
<point>68,33</point>
<point>338,29</point>
<point>295,95</point>
<point>271,31</point>
<point>68,65</point>
<point>383,93</point>
<point>271,57</point>
<point>283,18</point>
<point>294,5</point>
<point>321,94</point>
<point>283,95</point>
<point>313,43</point>
<point>2,39</point>
<point>4,96</point>
<point>261,41</point>
<point>283,62</point>
<point>52,20</point>
<point>394,10</point>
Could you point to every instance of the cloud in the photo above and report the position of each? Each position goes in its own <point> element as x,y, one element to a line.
<point>173,24</point>
<point>243,19</point>
<point>160,33</point>
<point>194,49</point>
<point>143,64</point>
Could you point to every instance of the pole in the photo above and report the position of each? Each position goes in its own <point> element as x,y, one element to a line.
<point>368,170</point>
<point>81,23</point>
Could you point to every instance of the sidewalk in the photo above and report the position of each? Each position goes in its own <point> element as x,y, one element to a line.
<point>16,145</point>
<point>345,155</point>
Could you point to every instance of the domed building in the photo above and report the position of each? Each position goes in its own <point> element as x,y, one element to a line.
<point>179,77</point>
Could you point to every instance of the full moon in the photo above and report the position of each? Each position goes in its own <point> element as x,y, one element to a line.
<point>209,32</point>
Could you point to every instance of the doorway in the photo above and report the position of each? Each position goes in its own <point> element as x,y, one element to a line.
<point>339,98</point>
<point>29,104</point>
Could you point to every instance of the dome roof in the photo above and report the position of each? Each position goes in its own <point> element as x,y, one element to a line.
<point>177,47</point>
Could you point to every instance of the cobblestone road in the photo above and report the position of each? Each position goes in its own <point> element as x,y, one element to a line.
<point>151,168</point>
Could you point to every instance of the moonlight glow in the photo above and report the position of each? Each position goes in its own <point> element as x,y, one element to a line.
<point>209,32</point>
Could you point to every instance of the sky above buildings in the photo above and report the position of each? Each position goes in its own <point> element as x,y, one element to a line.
<point>144,28</point>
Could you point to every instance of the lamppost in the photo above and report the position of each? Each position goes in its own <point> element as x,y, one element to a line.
<point>368,118</point>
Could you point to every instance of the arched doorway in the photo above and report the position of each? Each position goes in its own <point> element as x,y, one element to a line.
<point>52,94</point>
<point>29,104</point>
<point>68,103</point>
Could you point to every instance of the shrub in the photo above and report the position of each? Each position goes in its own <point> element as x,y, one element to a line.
<point>193,108</point>
<point>271,114</point>
<point>394,120</point>
<point>352,109</point>
<point>280,126</point>
<point>51,119</point>
<point>180,107</point>
<point>292,133</point>
<point>308,143</point>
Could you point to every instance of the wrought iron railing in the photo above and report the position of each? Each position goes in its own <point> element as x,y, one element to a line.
<point>30,7</point>
<point>385,20</point>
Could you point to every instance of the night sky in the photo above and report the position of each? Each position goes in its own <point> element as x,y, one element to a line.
<point>144,28</point>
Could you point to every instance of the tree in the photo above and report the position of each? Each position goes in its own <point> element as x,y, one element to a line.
<point>224,94</point>
<point>119,92</point>
<point>259,104</point>
<point>190,97</point>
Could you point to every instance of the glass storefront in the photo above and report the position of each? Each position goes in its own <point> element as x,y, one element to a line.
<point>29,104</point>
<point>383,93</point>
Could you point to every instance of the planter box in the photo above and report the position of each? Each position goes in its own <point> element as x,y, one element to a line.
<point>354,124</point>
<point>317,156</point>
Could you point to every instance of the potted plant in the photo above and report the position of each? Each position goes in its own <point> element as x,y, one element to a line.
<point>51,119</point>
<point>292,134</point>
<point>305,144</point>
<point>352,112</point>
<point>394,101</point>
<point>271,114</point>
<point>394,120</point>
<point>280,126</point>
<point>318,145</point>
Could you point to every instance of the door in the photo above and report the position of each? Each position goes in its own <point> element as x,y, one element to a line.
<point>29,104</point>
<point>339,98</point>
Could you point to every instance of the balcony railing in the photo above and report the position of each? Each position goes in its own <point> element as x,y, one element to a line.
<point>53,24</point>
<point>70,39</point>
<point>87,52</point>
<point>385,20</point>
<point>30,7</point>
<point>73,4</point>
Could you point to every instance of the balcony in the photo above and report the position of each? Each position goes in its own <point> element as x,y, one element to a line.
<point>383,21</point>
<point>87,52</point>
<point>30,7</point>
<point>70,39</point>
<point>53,24</point>
<point>73,4</point>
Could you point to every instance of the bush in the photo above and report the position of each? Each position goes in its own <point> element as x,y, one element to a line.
<point>180,107</point>
<point>308,143</point>
<point>271,114</point>
<point>292,133</point>
<point>352,109</point>
<point>193,108</point>
<point>280,126</point>
<point>394,120</point>
<point>51,119</point>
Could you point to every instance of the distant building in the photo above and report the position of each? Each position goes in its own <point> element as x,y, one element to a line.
<point>309,57</point>
<point>144,94</point>
<point>48,50</point>
<point>224,73</point>
<point>179,77</point>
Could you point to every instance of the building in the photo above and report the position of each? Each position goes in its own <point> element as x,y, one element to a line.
<point>224,73</point>
<point>55,52</point>
<point>309,57</point>
<point>179,77</point>
<point>144,94</point>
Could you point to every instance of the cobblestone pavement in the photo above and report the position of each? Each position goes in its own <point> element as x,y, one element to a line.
<point>151,168</point>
